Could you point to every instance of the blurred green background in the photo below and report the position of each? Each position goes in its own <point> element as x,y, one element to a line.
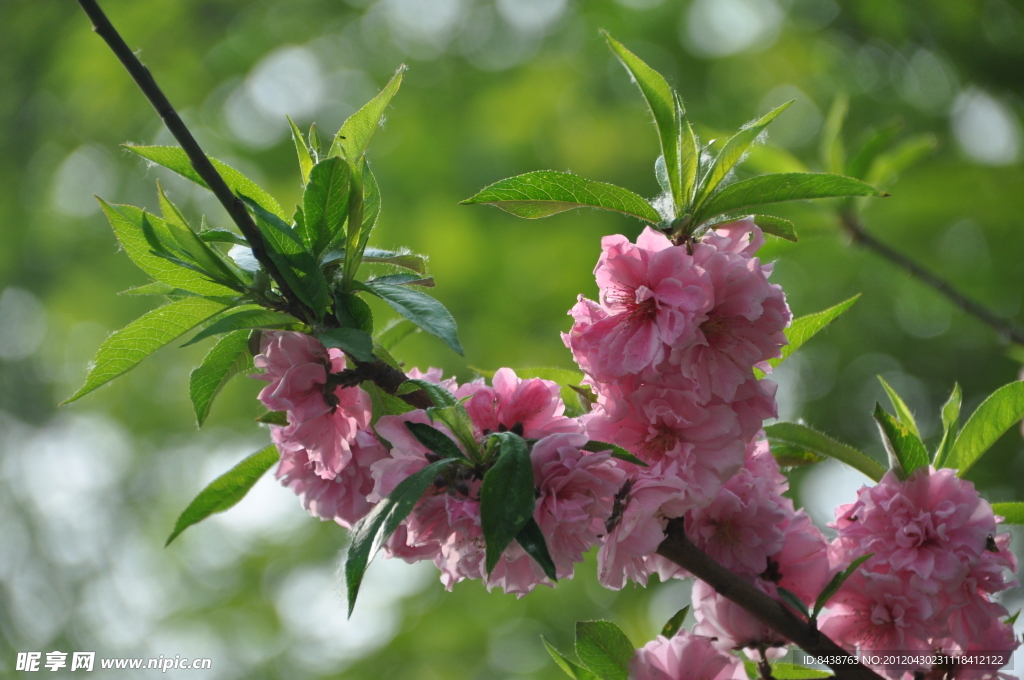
<point>495,88</point>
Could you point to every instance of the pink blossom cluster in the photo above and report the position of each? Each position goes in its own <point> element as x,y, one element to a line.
<point>670,349</point>
<point>936,561</point>
<point>684,656</point>
<point>327,447</point>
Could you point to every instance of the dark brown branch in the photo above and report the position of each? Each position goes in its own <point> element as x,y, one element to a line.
<point>202,165</point>
<point>1007,331</point>
<point>677,548</point>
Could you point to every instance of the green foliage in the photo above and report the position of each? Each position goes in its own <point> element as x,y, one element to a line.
<point>604,649</point>
<point>830,148</point>
<point>325,204</point>
<point>787,671</point>
<point>354,135</point>
<point>791,598</point>
<point>384,404</point>
<point>370,533</point>
<point>673,625</point>
<point>273,418</point>
<point>458,422</point>
<point>573,670</point>
<point>303,151</point>
<point>997,414</point>
<point>836,583</point>
<point>175,238</point>
<point>229,357</point>
<point>616,452</point>
<point>436,441</point>
<point>795,436</point>
<point>950,426</point>
<point>123,350</point>
<point>906,450</point>
<point>441,397</point>
<point>225,491</point>
<point>354,342</point>
<point>776,226</point>
<point>506,495</point>
<point>531,539</point>
<point>395,332</point>
<point>421,309</point>
<point>1012,513</point>
<point>410,261</point>
<point>903,413</point>
<point>806,327</point>
<point>250,316</point>
<point>546,192</point>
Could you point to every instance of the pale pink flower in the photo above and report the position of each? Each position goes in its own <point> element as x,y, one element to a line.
<point>296,366</point>
<point>684,657</point>
<point>436,376</point>
<point>802,565</point>
<point>328,438</point>
<point>730,625</point>
<point>531,408</point>
<point>650,294</point>
<point>343,498</point>
<point>988,651</point>
<point>933,527</point>
<point>644,505</point>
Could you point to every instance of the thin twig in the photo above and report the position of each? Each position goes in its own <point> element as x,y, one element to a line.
<point>1007,330</point>
<point>678,548</point>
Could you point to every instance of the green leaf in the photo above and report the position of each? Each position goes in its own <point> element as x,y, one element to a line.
<point>887,166</point>
<point>225,491</point>
<point>1012,513</point>
<point>384,404</point>
<point>325,204</point>
<point>571,669</point>
<point>804,438</point>
<point>506,495</point>
<point>156,288</point>
<point>458,422</point>
<point>791,186</point>
<point>673,625</point>
<point>354,342</point>
<point>787,671</point>
<point>123,350</point>
<point>1010,620</point>
<point>950,426</point>
<point>617,452</point>
<point>604,649</point>
<point>689,158</point>
<point>223,236</point>
<point>421,309</point>
<point>273,418</point>
<point>127,222</point>
<point>353,312</point>
<point>836,583</point>
<point>831,150</point>
<point>174,158</point>
<point>250,316</point>
<point>176,233</point>
<point>314,140</point>
<point>546,192</point>
<point>395,332</point>
<point>997,414</point>
<point>399,258</point>
<point>874,144</point>
<point>354,135</point>
<point>300,271</point>
<point>789,456</point>
<point>665,108</point>
<point>733,152</point>
<point>906,450</point>
<point>229,357</point>
<point>806,327</point>
<point>776,226</point>
<point>903,413</point>
<point>794,601</point>
<point>436,441</point>
<point>370,533</point>
<point>303,151</point>
<point>531,539</point>
<point>441,397</point>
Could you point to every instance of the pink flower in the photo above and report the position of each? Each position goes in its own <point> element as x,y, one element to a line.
<point>684,657</point>
<point>730,626</point>
<point>802,565</point>
<point>434,375</point>
<point>742,237</point>
<point>650,294</point>
<point>328,438</point>
<point>343,498</point>
<point>989,651</point>
<point>532,408</point>
<point>296,366</point>
<point>933,527</point>
<point>644,505</point>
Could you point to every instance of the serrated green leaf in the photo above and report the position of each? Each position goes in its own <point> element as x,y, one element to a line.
<point>156,288</point>
<point>127,222</point>
<point>950,426</point>
<point>250,316</point>
<point>457,420</point>
<point>1012,513</point>
<point>673,625</point>
<point>225,491</point>
<point>689,158</point>
<point>571,669</point>
<point>273,418</point>
<point>325,204</point>
<point>175,233</point>
<point>616,452</point>
<point>354,342</point>
<point>903,413</point>
<point>732,152</point>
<point>123,350</point>
<point>174,158</point>
<point>997,414</point>
<point>604,649</point>
<point>229,357</point>
<point>666,110</point>
<point>836,583</point>
<point>776,226</point>
<point>300,271</point>
<point>792,186</point>
<point>384,404</point>
<point>354,135</point>
<point>831,149</point>
<point>314,140</point>
<point>873,145</point>
<point>441,397</point>
<point>789,456</point>
<point>906,450</point>
<point>405,260</point>
<point>370,533</point>
<point>353,312</point>
<point>531,539</point>
<point>436,441</point>
<point>787,671</point>
<point>421,309</point>
<point>302,150</point>
<point>804,438</point>
<point>223,236</point>
<point>806,327</point>
<point>395,332</point>
<point>546,192</point>
<point>507,498</point>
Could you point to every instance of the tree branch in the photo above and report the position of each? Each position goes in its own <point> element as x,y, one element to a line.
<point>202,165</point>
<point>677,548</point>
<point>1007,330</point>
